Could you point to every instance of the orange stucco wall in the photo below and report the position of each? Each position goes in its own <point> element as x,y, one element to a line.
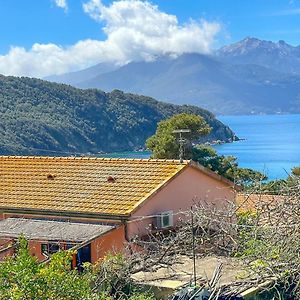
<point>34,248</point>
<point>112,241</point>
<point>4,241</point>
<point>5,254</point>
<point>188,188</point>
<point>5,244</point>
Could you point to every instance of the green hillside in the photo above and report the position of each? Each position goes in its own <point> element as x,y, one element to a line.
<point>37,115</point>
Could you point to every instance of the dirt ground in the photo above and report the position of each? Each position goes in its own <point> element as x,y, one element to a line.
<point>181,273</point>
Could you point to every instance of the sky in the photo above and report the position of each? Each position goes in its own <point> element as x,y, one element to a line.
<point>47,37</point>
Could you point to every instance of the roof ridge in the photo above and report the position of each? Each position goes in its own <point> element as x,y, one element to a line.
<point>92,158</point>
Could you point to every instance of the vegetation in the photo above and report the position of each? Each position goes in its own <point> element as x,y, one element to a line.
<point>226,166</point>
<point>268,242</point>
<point>262,243</point>
<point>40,117</point>
<point>164,144</point>
<point>265,240</point>
<point>113,279</point>
<point>296,171</point>
<point>278,186</point>
<point>23,277</point>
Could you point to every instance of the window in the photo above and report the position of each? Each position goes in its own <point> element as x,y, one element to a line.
<point>165,220</point>
<point>50,248</point>
<point>44,249</point>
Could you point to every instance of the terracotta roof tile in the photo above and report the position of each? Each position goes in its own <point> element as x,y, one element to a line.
<point>254,202</point>
<point>67,184</point>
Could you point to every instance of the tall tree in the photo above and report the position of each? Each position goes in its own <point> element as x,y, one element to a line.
<point>164,144</point>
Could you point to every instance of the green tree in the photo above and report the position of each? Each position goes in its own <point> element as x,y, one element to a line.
<point>280,185</point>
<point>208,157</point>
<point>292,180</point>
<point>163,143</point>
<point>22,277</point>
<point>226,166</point>
<point>274,186</point>
<point>246,177</point>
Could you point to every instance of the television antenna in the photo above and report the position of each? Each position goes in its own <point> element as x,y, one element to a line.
<point>181,141</point>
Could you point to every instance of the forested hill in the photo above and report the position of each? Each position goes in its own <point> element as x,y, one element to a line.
<point>38,115</point>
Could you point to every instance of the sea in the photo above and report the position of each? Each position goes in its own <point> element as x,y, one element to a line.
<point>269,143</point>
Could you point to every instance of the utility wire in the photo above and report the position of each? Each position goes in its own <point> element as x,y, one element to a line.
<point>213,219</point>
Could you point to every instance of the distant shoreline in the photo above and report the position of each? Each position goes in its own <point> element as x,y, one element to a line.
<point>270,142</point>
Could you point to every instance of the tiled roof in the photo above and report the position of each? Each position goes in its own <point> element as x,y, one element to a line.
<point>81,185</point>
<point>50,230</point>
<point>253,202</point>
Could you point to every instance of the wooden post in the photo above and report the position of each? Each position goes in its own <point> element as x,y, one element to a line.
<point>74,261</point>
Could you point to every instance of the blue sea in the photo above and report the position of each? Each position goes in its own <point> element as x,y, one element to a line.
<point>271,143</point>
<point>128,154</point>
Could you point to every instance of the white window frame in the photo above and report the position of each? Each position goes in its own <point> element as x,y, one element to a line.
<point>161,221</point>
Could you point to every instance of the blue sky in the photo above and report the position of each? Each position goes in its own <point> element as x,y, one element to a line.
<point>57,26</point>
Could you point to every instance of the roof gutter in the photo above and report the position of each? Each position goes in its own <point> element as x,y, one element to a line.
<point>94,216</point>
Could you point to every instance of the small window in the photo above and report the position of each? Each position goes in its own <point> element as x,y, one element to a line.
<point>50,248</point>
<point>44,249</point>
<point>165,220</point>
<point>53,248</point>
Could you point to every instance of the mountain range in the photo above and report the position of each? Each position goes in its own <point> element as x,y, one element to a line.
<point>249,77</point>
<point>45,118</point>
<point>279,56</point>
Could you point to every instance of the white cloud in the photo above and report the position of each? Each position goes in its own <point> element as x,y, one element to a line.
<point>61,4</point>
<point>135,30</point>
<point>144,30</point>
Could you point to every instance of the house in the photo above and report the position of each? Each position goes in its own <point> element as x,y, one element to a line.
<point>98,203</point>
